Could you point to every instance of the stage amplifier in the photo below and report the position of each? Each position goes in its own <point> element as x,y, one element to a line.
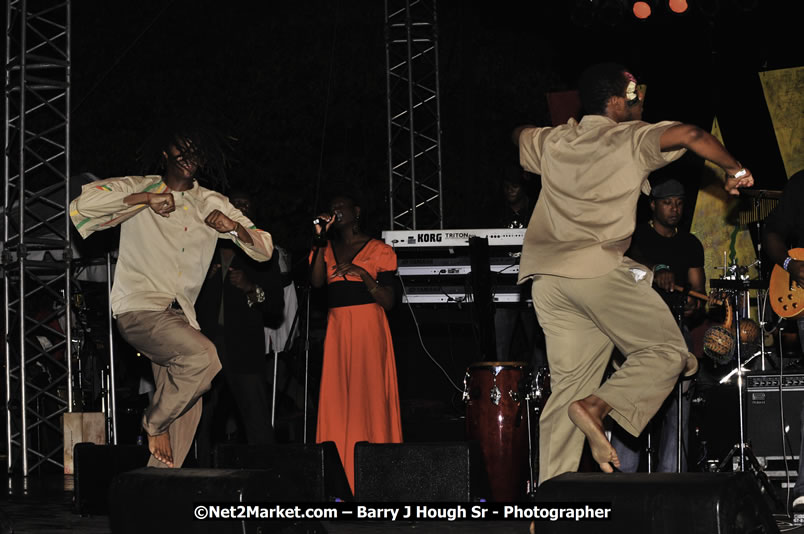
<point>769,434</point>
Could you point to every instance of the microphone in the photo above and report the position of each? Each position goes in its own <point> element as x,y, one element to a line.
<point>321,220</point>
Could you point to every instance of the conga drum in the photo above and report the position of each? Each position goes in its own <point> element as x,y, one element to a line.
<point>497,417</point>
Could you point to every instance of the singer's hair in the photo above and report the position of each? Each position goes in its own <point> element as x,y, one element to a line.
<point>195,138</point>
<point>344,190</point>
<point>600,82</point>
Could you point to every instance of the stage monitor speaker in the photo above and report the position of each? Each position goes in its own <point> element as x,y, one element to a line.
<point>419,472</point>
<point>95,467</point>
<point>302,472</point>
<point>660,503</point>
<point>763,415</point>
<point>151,499</point>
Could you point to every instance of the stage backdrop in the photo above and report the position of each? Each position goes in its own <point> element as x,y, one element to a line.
<point>784,94</point>
<point>715,223</point>
<point>715,219</point>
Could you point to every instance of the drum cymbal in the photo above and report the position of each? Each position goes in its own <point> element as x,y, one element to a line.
<point>761,193</point>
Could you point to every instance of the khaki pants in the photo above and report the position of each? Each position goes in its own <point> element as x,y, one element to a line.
<point>583,319</point>
<point>184,362</point>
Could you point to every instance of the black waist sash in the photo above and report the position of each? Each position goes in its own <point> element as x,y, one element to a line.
<point>348,293</point>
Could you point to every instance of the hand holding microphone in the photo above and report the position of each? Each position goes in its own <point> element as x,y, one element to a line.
<point>325,220</point>
<point>322,223</point>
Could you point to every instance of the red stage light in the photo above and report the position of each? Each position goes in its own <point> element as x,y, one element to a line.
<point>677,6</point>
<point>641,10</point>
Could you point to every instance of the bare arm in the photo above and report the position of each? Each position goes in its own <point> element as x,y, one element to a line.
<point>708,147</point>
<point>697,280</point>
<point>383,295</point>
<point>776,249</point>
<point>243,235</point>
<point>223,224</point>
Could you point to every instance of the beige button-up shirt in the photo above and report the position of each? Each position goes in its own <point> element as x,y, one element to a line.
<point>592,174</point>
<point>161,258</point>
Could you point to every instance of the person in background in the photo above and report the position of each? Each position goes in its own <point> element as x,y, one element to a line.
<point>237,298</point>
<point>784,230</point>
<point>515,212</point>
<point>676,258</point>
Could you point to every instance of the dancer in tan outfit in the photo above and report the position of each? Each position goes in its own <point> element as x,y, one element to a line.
<point>588,297</point>
<point>169,228</point>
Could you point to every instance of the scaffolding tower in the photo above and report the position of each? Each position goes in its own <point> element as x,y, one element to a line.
<point>414,123</point>
<point>36,248</point>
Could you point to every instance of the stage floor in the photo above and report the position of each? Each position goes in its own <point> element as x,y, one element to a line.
<point>44,504</point>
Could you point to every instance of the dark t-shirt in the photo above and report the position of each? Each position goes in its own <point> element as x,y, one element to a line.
<point>508,218</point>
<point>681,252</point>
<point>787,219</point>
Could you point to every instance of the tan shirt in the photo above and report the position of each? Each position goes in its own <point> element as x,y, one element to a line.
<point>592,174</point>
<point>161,258</point>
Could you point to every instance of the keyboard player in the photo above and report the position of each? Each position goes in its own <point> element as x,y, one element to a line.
<point>511,318</point>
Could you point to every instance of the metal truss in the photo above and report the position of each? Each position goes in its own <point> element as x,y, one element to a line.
<point>36,232</point>
<point>414,123</point>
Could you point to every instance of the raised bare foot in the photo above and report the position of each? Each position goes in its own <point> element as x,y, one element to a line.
<point>583,414</point>
<point>159,445</point>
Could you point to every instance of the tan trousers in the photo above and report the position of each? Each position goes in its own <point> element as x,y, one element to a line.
<point>583,319</point>
<point>184,362</point>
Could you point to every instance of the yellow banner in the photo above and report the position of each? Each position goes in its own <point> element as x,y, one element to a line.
<point>715,223</point>
<point>784,95</point>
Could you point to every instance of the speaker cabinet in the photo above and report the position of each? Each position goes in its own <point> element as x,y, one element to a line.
<point>95,467</point>
<point>151,499</point>
<point>661,503</point>
<point>764,420</point>
<point>302,472</point>
<point>419,472</point>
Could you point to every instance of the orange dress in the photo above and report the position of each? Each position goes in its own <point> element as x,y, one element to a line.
<point>359,398</point>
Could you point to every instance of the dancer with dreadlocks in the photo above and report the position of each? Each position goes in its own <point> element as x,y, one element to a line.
<point>169,228</point>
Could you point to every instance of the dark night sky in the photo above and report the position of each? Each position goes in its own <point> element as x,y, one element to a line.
<point>302,87</point>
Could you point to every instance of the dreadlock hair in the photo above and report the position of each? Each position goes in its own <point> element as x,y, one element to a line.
<point>195,139</point>
<point>600,82</point>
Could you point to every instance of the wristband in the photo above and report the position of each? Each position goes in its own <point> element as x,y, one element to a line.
<point>786,263</point>
<point>660,267</point>
<point>739,174</point>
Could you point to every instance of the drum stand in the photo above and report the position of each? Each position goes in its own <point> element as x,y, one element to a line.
<point>762,298</point>
<point>531,478</point>
<point>679,312</point>
<point>535,393</point>
<point>745,454</point>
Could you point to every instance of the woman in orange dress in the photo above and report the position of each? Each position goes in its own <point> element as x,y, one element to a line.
<point>359,398</point>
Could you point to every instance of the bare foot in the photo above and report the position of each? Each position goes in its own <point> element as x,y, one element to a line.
<point>584,415</point>
<point>159,445</point>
